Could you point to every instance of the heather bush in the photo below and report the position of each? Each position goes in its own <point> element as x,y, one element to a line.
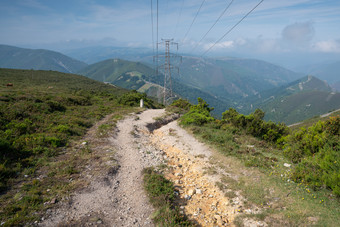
<point>133,98</point>
<point>316,151</point>
<point>180,106</point>
<point>254,125</point>
<point>198,114</point>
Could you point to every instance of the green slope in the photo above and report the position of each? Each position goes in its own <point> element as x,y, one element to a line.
<point>307,83</point>
<point>20,58</point>
<point>42,116</point>
<point>96,54</point>
<point>309,122</point>
<point>300,106</point>
<point>299,100</point>
<point>327,71</point>
<point>138,76</point>
<point>110,70</point>
<point>232,77</point>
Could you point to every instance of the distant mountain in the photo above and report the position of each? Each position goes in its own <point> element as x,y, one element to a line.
<point>20,58</point>
<point>336,86</point>
<point>110,70</point>
<point>329,71</point>
<point>228,77</point>
<point>299,100</point>
<point>138,76</point>
<point>231,77</point>
<point>95,54</point>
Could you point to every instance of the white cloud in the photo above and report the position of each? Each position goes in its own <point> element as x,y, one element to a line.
<point>222,45</point>
<point>298,32</point>
<point>330,46</point>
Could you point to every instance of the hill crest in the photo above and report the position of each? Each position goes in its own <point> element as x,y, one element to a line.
<point>38,59</point>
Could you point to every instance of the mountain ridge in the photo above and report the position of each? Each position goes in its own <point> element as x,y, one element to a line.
<point>296,101</point>
<point>225,82</point>
<point>38,59</point>
<point>140,77</point>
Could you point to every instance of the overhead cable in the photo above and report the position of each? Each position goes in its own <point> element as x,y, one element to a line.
<point>213,24</point>
<point>179,17</point>
<point>199,9</point>
<point>152,33</point>
<point>232,28</point>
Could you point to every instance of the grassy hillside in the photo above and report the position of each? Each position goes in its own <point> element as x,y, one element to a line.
<point>233,77</point>
<point>96,54</point>
<point>328,71</point>
<point>336,86</point>
<point>137,76</point>
<point>300,106</point>
<point>40,116</point>
<point>112,69</point>
<point>309,122</point>
<point>20,58</point>
<point>307,83</point>
<point>294,102</point>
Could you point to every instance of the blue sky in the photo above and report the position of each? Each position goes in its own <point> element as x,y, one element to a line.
<point>280,28</point>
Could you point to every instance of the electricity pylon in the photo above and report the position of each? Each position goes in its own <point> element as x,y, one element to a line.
<point>167,68</point>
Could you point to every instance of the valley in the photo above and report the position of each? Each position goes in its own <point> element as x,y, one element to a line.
<point>77,151</point>
<point>169,113</point>
<point>244,84</point>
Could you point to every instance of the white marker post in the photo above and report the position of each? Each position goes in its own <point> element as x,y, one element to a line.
<point>141,103</point>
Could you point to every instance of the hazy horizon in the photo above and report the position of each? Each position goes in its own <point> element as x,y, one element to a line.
<point>289,33</point>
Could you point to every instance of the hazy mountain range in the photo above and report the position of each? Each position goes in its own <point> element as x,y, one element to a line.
<point>21,58</point>
<point>328,71</point>
<point>296,101</point>
<point>244,84</point>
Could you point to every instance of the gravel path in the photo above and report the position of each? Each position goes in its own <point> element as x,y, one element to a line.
<point>115,194</point>
<point>115,197</point>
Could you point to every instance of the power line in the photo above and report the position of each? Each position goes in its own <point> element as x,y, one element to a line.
<point>153,41</point>
<point>157,44</point>
<point>193,20</point>
<point>232,28</point>
<point>157,26</point>
<point>179,17</point>
<point>213,24</point>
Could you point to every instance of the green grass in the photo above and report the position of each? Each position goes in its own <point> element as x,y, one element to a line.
<point>42,117</point>
<point>300,106</point>
<point>161,195</point>
<point>311,121</point>
<point>21,58</point>
<point>113,69</point>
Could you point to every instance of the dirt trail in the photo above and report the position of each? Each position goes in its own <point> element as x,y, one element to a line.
<point>115,195</point>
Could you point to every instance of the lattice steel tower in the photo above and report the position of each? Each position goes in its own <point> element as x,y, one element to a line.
<point>167,68</point>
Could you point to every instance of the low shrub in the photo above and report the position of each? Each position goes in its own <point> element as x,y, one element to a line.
<point>55,106</point>
<point>198,114</point>
<point>321,170</point>
<point>133,98</point>
<point>180,106</point>
<point>316,151</point>
<point>332,125</point>
<point>305,142</point>
<point>254,125</point>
